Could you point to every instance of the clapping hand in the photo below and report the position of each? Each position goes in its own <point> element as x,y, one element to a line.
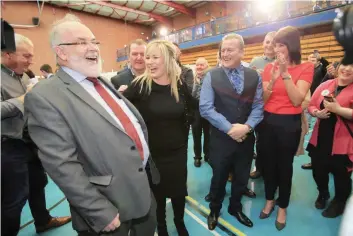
<point>282,62</point>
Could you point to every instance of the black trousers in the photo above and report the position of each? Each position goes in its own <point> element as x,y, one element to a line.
<point>144,226</point>
<point>178,204</point>
<point>237,162</point>
<point>259,148</point>
<point>14,184</point>
<point>201,125</point>
<point>280,139</point>
<point>337,165</point>
<point>37,181</point>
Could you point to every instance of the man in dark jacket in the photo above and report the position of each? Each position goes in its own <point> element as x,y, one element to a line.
<point>136,54</point>
<point>186,73</point>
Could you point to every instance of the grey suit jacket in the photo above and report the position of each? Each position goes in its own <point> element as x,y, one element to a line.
<point>88,156</point>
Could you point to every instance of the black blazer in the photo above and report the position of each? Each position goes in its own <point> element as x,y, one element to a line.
<point>124,77</point>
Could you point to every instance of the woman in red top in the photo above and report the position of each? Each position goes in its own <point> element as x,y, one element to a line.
<point>286,83</point>
<point>331,144</point>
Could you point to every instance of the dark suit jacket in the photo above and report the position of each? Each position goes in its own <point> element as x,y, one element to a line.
<point>124,77</point>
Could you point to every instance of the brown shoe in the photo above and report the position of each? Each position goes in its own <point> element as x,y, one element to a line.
<point>53,223</point>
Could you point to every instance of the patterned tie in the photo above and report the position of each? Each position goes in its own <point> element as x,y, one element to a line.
<point>120,114</point>
<point>235,80</point>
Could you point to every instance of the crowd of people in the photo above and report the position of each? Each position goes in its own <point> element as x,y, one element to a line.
<point>118,148</point>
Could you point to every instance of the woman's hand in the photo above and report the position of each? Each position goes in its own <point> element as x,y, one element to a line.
<point>333,106</point>
<point>282,61</point>
<point>322,114</point>
<point>275,72</point>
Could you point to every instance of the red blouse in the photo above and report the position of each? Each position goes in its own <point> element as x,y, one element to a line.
<point>279,102</point>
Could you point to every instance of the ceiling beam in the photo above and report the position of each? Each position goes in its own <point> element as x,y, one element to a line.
<point>179,7</point>
<point>162,19</point>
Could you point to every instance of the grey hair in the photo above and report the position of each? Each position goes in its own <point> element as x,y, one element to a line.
<point>271,34</point>
<point>235,36</point>
<point>20,39</point>
<point>59,25</point>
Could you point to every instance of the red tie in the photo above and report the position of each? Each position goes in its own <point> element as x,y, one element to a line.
<point>120,114</point>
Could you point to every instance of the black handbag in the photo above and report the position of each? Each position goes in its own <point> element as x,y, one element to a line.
<point>347,126</point>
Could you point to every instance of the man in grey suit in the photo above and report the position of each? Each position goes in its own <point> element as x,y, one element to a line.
<point>92,141</point>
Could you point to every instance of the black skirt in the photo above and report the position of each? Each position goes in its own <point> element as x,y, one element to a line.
<point>172,166</point>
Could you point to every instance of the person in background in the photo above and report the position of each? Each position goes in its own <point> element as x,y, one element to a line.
<point>166,105</point>
<point>258,64</point>
<point>231,100</point>
<point>92,141</point>
<point>22,174</point>
<point>32,77</point>
<point>14,151</point>
<point>331,146</point>
<point>286,83</point>
<point>46,71</point>
<point>187,75</point>
<point>305,125</point>
<point>136,60</point>
<point>200,125</point>
<point>319,74</point>
<point>30,74</point>
<point>317,6</point>
<point>331,71</point>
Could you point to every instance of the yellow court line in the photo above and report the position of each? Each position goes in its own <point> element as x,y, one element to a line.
<point>220,220</point>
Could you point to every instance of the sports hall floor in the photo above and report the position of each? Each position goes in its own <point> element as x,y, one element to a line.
<point>303,218</point>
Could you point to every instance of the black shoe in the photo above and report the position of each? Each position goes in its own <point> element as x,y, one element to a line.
<point>307,166</point>
<point>208,197</point>
<point>212,220</point>
<point>249,193</point>
<point>242,218</point>
<point>206,158</point>
<point>321,200</point>
<point>334,209</point>
<point>197,163</point>
<point>255,174</point>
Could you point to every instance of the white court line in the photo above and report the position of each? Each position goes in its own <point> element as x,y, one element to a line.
<point>198,220</point>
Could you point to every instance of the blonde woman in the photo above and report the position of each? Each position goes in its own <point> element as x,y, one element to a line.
<point>200,124</point>
<point>164,103</point>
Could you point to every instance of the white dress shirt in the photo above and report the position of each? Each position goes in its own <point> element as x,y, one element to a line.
<point>89,87</point>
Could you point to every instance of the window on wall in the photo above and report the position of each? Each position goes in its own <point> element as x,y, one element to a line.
<point>199,31</point>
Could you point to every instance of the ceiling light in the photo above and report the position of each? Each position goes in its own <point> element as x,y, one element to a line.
<point>163,32</point>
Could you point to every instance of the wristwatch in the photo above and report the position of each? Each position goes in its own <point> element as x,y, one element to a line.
<point>250,128</point>
<point>287,77</point>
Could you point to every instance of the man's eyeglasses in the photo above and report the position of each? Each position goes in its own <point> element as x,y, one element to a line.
<point>82,43</point>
